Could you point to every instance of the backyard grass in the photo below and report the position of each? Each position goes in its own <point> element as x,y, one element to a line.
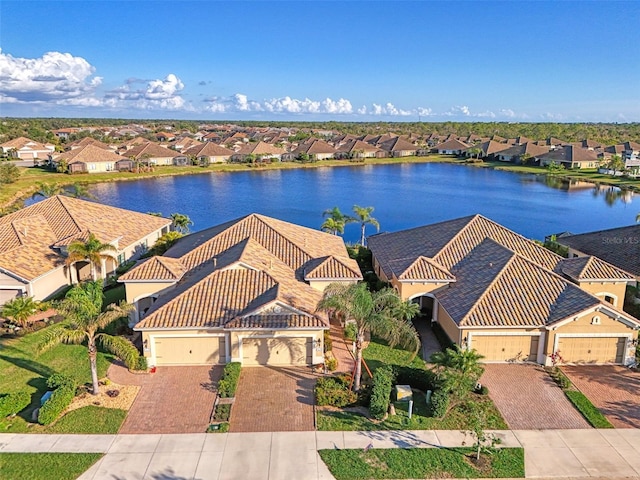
<point>587,409</point>
<point>24,368</point>
<point>89,420</point>
<point>45,466</point>
<point>355,464</point>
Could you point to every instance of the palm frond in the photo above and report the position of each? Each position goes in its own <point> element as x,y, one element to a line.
<point>120,347</point>
<point>61,333</point>
<point>112,313</point>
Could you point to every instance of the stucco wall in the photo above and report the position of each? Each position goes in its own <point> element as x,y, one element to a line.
<point>448,325</point>
<point>617,290</point>
<point>415,289</point>
<point>49,283</point>
<point>135,291</point>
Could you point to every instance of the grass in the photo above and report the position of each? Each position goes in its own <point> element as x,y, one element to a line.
<point>114,295</point>
<point>587,409</point>
<point>25,368</point>
<point>90,420</point>
<point>378,353</point>
<point>422,463</point>
<point>45,466</point>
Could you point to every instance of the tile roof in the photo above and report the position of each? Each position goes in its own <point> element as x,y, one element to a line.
<point>452,144</point>
<point>152,150</point>
<point>397,144</point>
<point>88,154</point>
<point>208,149</point>
<point>22,142</point>
<point>570,153</point>
<point>260,148</point>
<point>314,147</point>
<point>423,268</point>
<point>28,235</point>
<point>590,268</point>
<point>156,268</point>
<point>617,246</point>
<point>240,268</point>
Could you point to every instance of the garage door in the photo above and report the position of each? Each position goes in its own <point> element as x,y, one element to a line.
<point>276,351</point>
<point>189,350</point>
<point>504,348</point>
<point>592,350</point>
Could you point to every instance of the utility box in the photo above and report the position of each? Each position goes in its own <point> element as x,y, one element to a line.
<point>45,397</point>
<point>404,393</point>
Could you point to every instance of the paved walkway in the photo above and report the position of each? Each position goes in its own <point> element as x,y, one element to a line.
<point>293,455</point>
<point>613,389</point>
<point>339,348</point>
<point>429,342</point>
<point>172,400</point>
<point>271,399</point>
<point>528,398</point>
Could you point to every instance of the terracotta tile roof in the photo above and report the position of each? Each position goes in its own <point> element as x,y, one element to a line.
<point>273,322</point>
<point>153,150</point>
<point>452,144</point>
<point>259,148</point>
<point>208,149</point>
<point>88,154</point>
<point>498,287</point>
<point>617,246</point>
<point>590,268</point>
<point>156,268</point>
<point>28,235</point>
<point>87,141</point>
<point>314,147</point>
<point>332,268</point>
<point>569,154</point>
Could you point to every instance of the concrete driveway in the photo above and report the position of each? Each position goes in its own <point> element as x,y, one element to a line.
<point>270,399</point>
<point>529,399</point>
<point>613,389</point>
<point>172,400</point>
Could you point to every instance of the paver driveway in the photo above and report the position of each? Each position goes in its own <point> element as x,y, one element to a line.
<point>172,400</point>
<point>529,399</point>
<point>613,389</point>
<point>270,399</point>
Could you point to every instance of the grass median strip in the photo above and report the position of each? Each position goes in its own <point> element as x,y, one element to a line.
<point>45,466</point>
<point>355,464</point>
<point>587,409</point>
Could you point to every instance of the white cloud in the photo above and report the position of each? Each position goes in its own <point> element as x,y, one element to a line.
<point>241,103</point>
<point>507,112</point>
<point>53,78</point>
<point>159,94</point>
<point>340,106</point>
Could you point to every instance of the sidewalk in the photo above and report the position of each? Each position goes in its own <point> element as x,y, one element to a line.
<point>565,454</point>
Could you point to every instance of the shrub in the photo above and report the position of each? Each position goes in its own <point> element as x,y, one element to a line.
<point>229,381</point>
<point>12,403</point>
<point>52,408</point>
<point>331,364</point>
<point>350,331</point>
<point>223,412</point>
<point>483,390</point>
<point>334,391</point>
<point>60,380</point>
<point>418,378</point>
<point>439,403</point>
<point>381,392</point>
<point>141,364</point>
<point>328,343</point>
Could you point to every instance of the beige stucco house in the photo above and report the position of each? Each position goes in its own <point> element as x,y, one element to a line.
<point>242,291</point>
<point>33,243</point>
<point>23,148</point>
<point>507,297</point>
<point>88,159</point>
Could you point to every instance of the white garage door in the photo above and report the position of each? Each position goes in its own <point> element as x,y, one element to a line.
<point>506,348</point>
<point>276,351</point>
<point>592,350</point>
<point>203,350</point>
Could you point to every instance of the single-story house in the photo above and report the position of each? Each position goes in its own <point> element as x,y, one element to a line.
<point>244,291</point>
<point>398,147</point>
<point>451,147</point>
<point>517,152</point>
<point>88,159</point>
<point>209,152</point>
<point>359,149</point>
<point>24,148</point>
<point>314,147</point>
<point>152,154</point>
<point>507,297</point>
<point>570,156</point>
<point>259,150</point>
<point>34,240</point>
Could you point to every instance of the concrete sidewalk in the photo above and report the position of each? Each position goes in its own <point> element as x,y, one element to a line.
<point>293,455</point>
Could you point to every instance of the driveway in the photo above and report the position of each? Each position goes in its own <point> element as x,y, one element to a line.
<point>172,400</point>
<point>613,389</point>
<point>270,399</point>
<point>529,399</point>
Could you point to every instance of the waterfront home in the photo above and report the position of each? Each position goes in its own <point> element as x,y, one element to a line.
<point>507,297</point>
<point>23,148</point>
<point>490,148</point>
<point>358,149</point>
<point>570,156</point>
<point>242,291</point>
<point>452,146</point>
<point>87,159</point>
<point>208,152</point>
<point>259,150</point>
<point>515,153</point>
<point>151,154</point>
<point>34,241</point>
<point>398,147</point>
<point>316,149</point>
<point>183,143</point>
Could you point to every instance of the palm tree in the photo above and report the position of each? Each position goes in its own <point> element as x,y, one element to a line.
<point>475,151</point>
<point>616,163</point>
<point>373,312</point>
<point>363,215</point>
<point>181,222</point>
<point>82,308</point>
<point>46,190</point>
<point>19,309</point>
<point>332,226</point>
<point>458,369</point>
<point>78,190</point>
<point>91,250</point>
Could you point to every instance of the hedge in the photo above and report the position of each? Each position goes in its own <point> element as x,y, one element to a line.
<point>12,403</point>
<point>222,412</point>
<point>439,403</point>
<point>59,400</point>
<point>381,392</point>
<point>141,363</point>
<point>418,378</point>
<point>58,380</point>
<point>229,381</point>
<point>334,391</point>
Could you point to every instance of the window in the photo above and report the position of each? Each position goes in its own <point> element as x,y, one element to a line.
<point>121,259</point>
<point>610,299</point>
<point>595,321</point>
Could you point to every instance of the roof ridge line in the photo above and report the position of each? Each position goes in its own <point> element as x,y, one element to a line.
<point>59,198</point>
<point>291,242</point>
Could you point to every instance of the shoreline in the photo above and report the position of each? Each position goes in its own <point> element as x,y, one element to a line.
<point>25,187</point>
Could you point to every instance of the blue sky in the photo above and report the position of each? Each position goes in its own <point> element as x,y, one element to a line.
<point>345,61</point>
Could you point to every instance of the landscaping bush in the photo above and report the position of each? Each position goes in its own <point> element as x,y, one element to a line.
<point>328,343</point>
<point>381,392</point>
<point>60,380</point>
<point>331,364</point>
<point>52,408</point>
<point>588,410</point>
<point>12,403</point>
<point>229,381</point>
<point>223,412</point>
<point>141,364</point>
<point>439,403</point>
<point>334,391</point>
<point>350,331</point>
<point>483,390</point>
<point>418,378</point>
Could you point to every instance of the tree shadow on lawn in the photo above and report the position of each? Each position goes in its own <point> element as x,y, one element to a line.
<point>30,365</point>
<point>622,413</point>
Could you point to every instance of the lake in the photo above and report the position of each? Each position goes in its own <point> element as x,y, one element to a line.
<point>404,196</point>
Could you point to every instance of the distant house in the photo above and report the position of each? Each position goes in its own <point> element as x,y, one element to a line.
<point>88,141</point>
<point>209,152</point>
<point>165,137</point>
<point>398,147</point>
<point>34,241</point>
<point>490,148</point>
<point>152,154</point>
<point>515,153</point>
<point>359,149</point>
<point>183,143</point>
<point>570,156</point>
<point>23,148</point>
<point>259,150</point>
<point>316,149</point>
<point>88,159</point>
<point>452,146</point>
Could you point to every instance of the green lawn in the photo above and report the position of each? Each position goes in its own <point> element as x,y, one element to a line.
<point>90,420</point>
<point>23,367</point>
<point>45,466</point>
<point>378,353</point>
<point>422,463</point>
<point>114,295</point>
